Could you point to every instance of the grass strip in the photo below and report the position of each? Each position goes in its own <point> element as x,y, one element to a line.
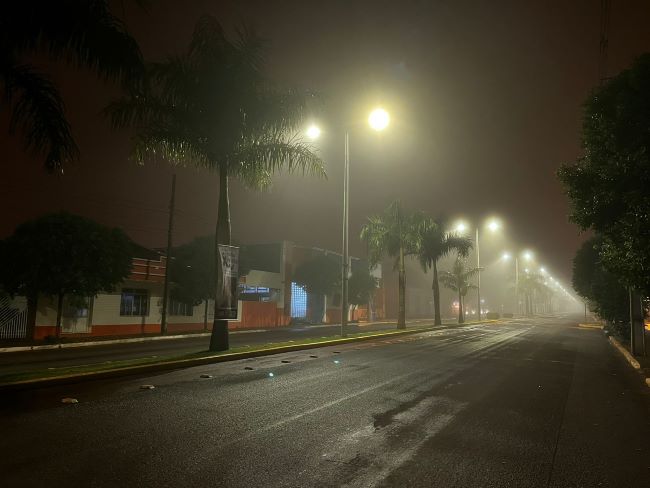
<point>203,354</point>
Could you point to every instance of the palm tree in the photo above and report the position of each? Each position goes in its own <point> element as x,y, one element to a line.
<point>459,279</point>
<point>434,244</point>
<point>81,32</point>
<point>531,285</point>
<point>214,108</point>
<point>393,233</point>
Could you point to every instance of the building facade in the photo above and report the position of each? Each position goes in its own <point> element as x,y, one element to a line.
<point>268,298</point>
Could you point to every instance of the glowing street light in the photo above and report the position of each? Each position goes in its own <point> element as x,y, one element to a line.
<point>528,255</point>
<point>313,132</point>
<point>493,225</point>
<point>461,227</point>
<point>506,256</point>
<point>379,119</point>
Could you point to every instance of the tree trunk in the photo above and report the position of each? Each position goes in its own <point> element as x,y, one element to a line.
<point>436,295</point>
<point>205,315</point>
<point>401,317</point>
<point>30,327</point>
<point>219,338</point>
<point>461,313</point>
<point>59,313</point>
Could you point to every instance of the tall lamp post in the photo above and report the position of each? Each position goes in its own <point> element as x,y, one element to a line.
<point>493,226</point>
<point>527,256</point>
<point>378,120</point>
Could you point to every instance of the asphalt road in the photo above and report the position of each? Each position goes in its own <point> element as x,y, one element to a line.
<point>40,359</point>
<point>537,403</point>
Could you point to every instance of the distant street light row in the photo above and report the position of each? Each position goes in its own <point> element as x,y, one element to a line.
<point>379,119</point>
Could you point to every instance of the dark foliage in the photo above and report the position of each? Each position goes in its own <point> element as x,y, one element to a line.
<point>63,255</point>
<point>606,295</point>
<point>83,33</point>
<point>608,186</point>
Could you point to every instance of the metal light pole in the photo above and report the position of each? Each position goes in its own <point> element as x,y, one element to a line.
<point>378,120</point>
<point>478,275</point>
<point>517,285</point>
<point>345,265</point>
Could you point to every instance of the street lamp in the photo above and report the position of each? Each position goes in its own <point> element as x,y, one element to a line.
<point>493,225</point>
<point>313,132</point>
<point>528,256</point>
<point>378,120</point>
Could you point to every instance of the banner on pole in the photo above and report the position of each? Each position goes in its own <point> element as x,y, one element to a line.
<point>226,308</point>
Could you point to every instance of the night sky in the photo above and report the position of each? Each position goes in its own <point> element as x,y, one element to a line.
<point>485,98</point>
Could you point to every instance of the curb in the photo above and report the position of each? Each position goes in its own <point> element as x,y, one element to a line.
<point>590,326</point>
<point>630,359</point>
<point>188,363</point>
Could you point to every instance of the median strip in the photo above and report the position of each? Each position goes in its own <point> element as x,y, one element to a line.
<point>39,379</point>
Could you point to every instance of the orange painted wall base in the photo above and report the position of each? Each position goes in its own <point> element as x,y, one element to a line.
<point>255,315</point>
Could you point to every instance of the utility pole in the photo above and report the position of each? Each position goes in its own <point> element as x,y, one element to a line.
<point>605,10</point>
<point>170,228</point>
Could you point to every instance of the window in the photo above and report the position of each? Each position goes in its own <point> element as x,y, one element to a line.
<point>181,308</point>
<point>134,302</point>
<point>298,301</point>
<point>75,308</point>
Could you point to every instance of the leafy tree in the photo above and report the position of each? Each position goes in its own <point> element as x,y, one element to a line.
<point>393,233</point>
<point>192,272</point>
<point>435,242</point>
<point>608,186</point>
<point>320,275</point>
<point>606,295</point>
<point>82,32</point>
<point>64,256</point>
<point>361,286</point>
<point>214,107</point>
<point>459,279</point>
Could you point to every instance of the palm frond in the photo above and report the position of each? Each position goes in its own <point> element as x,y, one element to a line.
<point>84,33</point>
<point>215,107</point>
<point>168,145</point>
<point>435,243</point>
<point>39,112</point>
<point>272,155</point>
<point>375,233</point>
